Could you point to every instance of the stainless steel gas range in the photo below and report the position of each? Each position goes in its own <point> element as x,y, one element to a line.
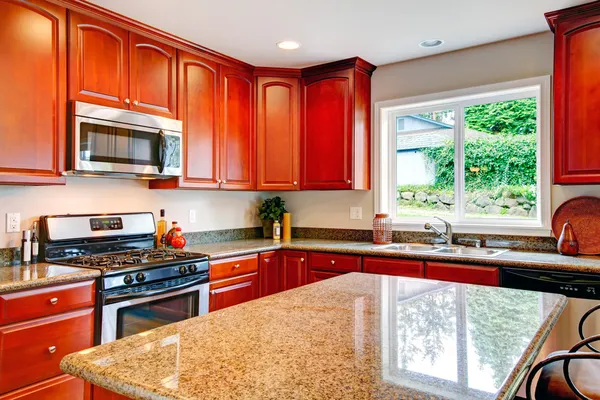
<point>141,288</point>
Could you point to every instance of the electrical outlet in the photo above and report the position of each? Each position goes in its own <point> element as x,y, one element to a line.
<point>192,216</point>
<point>355,212</point>
<point>13,222</point>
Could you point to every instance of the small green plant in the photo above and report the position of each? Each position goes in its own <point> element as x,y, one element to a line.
<point>272,209</point>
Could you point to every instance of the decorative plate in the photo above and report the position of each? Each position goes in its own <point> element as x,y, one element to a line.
<point>584,214</point>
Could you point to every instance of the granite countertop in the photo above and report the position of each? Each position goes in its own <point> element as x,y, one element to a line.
<point>354,336</point>
<point>21,277</point>
<point>511,258</point>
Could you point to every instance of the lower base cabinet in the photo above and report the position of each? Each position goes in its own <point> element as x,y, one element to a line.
<point>269,273</point>
<point>60,387</point>
<point>392,266</point>
<point>229,292</point>
<point>294,270</point>
<point>488,276</point>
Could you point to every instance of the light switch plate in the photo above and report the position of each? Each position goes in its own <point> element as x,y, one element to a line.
<point>192,216</point>
<point>13,222</point>
<point>355,212</point>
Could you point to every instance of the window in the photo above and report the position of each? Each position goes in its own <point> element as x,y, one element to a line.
<point>478,157</point>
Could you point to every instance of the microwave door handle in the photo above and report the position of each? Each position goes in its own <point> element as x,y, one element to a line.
<point>130,296</point>
<point>162,151</point>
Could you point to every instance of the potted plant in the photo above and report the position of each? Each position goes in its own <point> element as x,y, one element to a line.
<point>269,211</point>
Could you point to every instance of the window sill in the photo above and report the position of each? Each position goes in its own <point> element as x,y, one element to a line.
<point>487,228</point>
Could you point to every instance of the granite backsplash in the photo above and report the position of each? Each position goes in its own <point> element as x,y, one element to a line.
<point>522,243</point>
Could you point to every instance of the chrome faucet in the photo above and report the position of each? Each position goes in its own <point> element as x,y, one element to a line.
<point>447,236</point>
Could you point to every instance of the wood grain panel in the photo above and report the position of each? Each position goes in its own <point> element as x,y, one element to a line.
<point>98,62</point>
<point>278,140</point>
<point>269,273</point>
<point>153,67</point>
<point>33,39</point>
<point>488,276</point>
<point>393,266</point>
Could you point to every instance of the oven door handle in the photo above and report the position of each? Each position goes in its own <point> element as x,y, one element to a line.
<point>162,151</point>
<point>124,297</point>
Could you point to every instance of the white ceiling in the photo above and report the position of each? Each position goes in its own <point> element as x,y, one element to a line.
<point>380,31</point>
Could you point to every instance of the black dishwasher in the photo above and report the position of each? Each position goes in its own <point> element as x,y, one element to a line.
<point>585,286</point>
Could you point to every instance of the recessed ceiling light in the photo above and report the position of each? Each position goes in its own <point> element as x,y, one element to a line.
<point>431,43</point>
<point>288,45</point>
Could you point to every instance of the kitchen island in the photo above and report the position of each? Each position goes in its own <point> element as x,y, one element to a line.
<point>355,336</point>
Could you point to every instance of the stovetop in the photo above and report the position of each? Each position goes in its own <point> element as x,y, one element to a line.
<point>144,258</point>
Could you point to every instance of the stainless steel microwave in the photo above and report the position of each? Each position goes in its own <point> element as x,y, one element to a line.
<point>113,142</point>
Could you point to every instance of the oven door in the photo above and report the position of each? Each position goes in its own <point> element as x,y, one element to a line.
<point>126,315</point>
<point>102,146</point>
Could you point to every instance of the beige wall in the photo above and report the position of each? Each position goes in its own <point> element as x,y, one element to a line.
<point>215,210</point>
<point>521,58</point>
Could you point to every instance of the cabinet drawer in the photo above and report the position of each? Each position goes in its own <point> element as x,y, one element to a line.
<point>231,267</point>
<point>31,351</point>
<point>389,266</point>
<point>229,292</point>
<point>334,262</point>
<point>61,387</point>
<point>489,276</point>
<point>29,304</point>
<point>316,276</point>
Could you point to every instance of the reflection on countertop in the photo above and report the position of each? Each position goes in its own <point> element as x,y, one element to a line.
<point>355,336</point>
<point>22,277</point>
<point>511,258</point>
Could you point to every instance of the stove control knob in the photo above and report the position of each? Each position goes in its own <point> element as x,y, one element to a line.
<point>183,270</point>
<point>192,268</point>
<point>128,279</point>
<point>140,277</point>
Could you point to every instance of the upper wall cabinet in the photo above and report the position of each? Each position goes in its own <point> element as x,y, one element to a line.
<point>238,165</point>
<point>336,124</point>
<point>33,94</point>
<point>576,94</point>
<point>278,132</point>
<point>112,67</point>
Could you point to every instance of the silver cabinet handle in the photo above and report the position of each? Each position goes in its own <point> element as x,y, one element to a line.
<point>218,181</point>
<point>54,300</point>
<point>349,181</point>
<point>236,266</point>
<point>126,101</point>
<point>332,262</point>
<point>302,260</point>
<point>213,292</point>
<point>52,349</point>
<point>224,181</point>
<point>295,183</point>
<point>135,102</point>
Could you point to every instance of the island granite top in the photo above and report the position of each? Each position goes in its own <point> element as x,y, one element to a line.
<point>356,336</point>
<point>551,261</point>
<point>23,277</point>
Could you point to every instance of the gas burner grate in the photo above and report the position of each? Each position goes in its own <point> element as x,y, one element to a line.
<point>129,258</point>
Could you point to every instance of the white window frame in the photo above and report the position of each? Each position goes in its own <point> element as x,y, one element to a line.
<point>385,164</point>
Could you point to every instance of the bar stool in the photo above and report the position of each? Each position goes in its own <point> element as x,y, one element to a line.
<point>569,375</point>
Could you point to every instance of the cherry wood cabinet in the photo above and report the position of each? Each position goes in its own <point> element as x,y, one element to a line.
<point>98,62</point>
<point>153,68</point>
<point>270,273</point>
<point>33,98</point>
<point>294,269</point>
<point>336,123</point>
<point>576,100</point>
<point>334,262</point>
<point>317,276</point>
<point>489,276</point>
<point>278,132</point>
<point>229,292</point>
<point>230,267</point>
<point>60,387</point>
<point>238,164</point>
<point>394,266</point>
<point>112,67</point>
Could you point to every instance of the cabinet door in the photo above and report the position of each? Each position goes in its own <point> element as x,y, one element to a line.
<point>278,140</point>
<point>98,62</point>
<point>60,387</point>
<point>576,102</point>
<point>294,269</point>
<point>238,167</point>
<point>488,276</point>
<point>334,262</point>
<point>152,76</point>
<point>33,95</point>
<point>270,273</point>
<point>317,276</point>
<point>391,266</point>
<point>327,144</point>
<point>229,292</point>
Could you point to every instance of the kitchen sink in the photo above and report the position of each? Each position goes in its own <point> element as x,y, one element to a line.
<point>440,249</point>
<point>470,251</point>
